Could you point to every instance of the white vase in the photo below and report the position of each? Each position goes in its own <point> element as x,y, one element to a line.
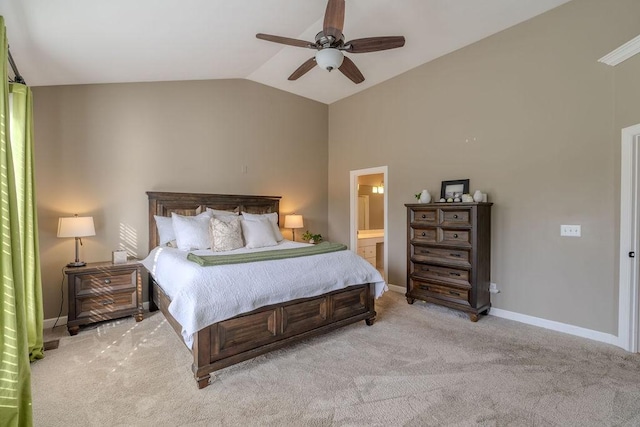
<point>425,197</point>
<point>477,196</point>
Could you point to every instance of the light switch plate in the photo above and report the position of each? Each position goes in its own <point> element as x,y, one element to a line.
<point>570,230</point>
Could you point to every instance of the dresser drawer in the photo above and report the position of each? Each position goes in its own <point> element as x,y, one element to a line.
<point>454,275</point>
<point>455,217</point>
<point>424,235</point>
<point>433,290</point>
<point>424,216</point>
<point>105,303</point>
<point>108,281</point>
<point>431,254</point>
<point>454,236</point>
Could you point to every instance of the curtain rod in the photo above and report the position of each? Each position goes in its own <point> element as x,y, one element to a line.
<point>17,77</point>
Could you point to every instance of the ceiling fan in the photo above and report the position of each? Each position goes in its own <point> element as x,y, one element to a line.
<point>330,45</point>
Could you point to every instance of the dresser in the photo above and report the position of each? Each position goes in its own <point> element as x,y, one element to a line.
<point>102,291</point>
<point>449,255</point>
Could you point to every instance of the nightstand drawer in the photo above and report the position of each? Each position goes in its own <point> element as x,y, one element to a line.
<point>114,281</point>
<point>105,303</point>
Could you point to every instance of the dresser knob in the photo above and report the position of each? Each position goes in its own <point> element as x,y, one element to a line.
<point>424,234</point>
<point>454,293</point>
<point>107,281</point>
<point>108,302</point>
<point>455,236</point>
<point>423,216</point>
<point>455,216</point>
<point>455,255</point>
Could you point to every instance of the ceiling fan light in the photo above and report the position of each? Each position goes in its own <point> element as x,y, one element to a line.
<point>329,58</point>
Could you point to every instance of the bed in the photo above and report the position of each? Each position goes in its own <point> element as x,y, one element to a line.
<point>266,328</point>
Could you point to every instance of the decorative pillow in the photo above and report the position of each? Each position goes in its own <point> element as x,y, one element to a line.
<point>258,233</point>
<point>226,235</point>
<point>164,225</point>
<point>221,212</point>
<point>273,219</point>
<point>192,232</point>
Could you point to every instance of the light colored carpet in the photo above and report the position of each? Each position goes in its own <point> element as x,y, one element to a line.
<point>419,365</point>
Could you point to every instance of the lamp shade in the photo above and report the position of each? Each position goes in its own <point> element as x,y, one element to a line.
<point>293,221</point>
<point>76,226</point>
<point>329,58</point>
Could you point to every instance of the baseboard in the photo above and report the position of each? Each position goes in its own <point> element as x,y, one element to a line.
<point>48,323</point>
<point>544,323</point>
<point>396,288</point>
<point>556,326</point>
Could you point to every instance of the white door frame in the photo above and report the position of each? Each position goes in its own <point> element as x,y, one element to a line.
<point>353,210</point>
<point>628,320</point>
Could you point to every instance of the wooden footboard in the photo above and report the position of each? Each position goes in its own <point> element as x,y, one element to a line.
<point>268,328</point>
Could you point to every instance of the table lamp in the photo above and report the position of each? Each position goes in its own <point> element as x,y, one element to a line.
<point>77,227</point>
<point>293,221</point>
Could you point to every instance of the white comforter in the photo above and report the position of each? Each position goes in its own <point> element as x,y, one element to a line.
<point>201,296</point>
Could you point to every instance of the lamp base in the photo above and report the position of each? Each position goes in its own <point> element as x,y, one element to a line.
<point>77,264</point>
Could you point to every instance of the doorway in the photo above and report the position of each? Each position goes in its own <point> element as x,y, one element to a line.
<point>368,216</point>
<point>629,295</point>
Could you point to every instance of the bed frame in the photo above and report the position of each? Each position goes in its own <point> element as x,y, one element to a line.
<point>268,328</point>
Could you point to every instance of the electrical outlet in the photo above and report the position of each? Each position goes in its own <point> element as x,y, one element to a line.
<point>570,230</point>
<point>493,288</point>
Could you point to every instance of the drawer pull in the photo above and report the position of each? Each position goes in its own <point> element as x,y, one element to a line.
<point>108,302</point>
<point>456,216</point>
<point>455,236</point>
<point>455,255</point>
<point>423,287</point>
<point>455,274</point>
<point>424,234</point>
<point>454,293</point>
<point>424,216</point>
<point>107,281</point>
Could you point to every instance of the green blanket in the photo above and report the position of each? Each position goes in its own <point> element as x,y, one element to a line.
<point>320,248</point>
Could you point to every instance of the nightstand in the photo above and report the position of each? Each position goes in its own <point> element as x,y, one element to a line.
<point>102,291</point>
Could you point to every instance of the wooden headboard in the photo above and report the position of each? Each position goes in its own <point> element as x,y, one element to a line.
<point>163,204</point>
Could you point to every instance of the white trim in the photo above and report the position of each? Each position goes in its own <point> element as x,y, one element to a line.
<point>555,326</point>
<point>395,288</point>
<point>628,286</point>
<point>48,323</point>
<point>622,53</point>
<point>353,217</point>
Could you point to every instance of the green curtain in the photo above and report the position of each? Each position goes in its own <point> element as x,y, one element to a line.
<point>21,137</point>
<point>21,297</point>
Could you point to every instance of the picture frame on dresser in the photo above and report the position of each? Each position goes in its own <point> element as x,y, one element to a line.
<point>455,188</point>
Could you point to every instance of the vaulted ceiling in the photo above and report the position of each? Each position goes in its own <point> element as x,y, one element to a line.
<point>66,42</point>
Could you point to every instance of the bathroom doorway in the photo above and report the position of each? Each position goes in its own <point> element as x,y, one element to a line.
<point>368,224</point>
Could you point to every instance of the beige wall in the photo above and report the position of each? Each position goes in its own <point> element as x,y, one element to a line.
<point>543,121</point>
<point>100,147</point>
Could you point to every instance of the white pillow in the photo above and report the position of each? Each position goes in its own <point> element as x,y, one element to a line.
<point>258,233</point>
<point>164,225</point>
<point>192,232</point>
<point>226,235</point>
<point>273,219</point>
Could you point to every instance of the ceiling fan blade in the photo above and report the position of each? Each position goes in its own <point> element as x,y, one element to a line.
<point>349,69</point>
<point>286,40</point>
<point>374,44</point>
<point>334,19</point>
<point>303,69</point>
